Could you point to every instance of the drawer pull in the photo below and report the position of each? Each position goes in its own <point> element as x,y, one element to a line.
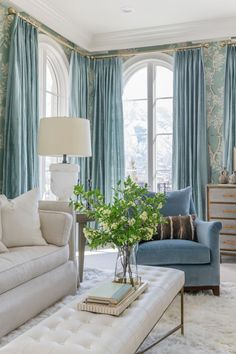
<point>229,211</point>
<point>229,195</point>
<point>230,227</point>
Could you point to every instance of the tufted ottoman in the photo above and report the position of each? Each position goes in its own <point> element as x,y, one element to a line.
<point>70,331</point>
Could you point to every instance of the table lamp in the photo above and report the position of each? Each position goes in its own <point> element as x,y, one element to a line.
<point>64,136</point>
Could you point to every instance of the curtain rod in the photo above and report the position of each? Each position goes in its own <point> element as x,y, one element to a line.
<point>130,53</point>
<point>12,11</point>
<point>127,53</point>
<point>228,42</point>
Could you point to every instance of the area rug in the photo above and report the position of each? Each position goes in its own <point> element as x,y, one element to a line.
<point>210,321</point>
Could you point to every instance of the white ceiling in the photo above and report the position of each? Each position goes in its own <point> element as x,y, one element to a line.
<point>100,25</point>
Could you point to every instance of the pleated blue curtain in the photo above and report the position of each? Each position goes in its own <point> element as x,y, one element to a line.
<point>107,120</point>
<point>79,103</point>
<point>20,165</point>
<point>230,107</point>
<point>190,149</point>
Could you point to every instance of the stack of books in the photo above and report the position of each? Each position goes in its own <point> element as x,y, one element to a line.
<point>109,293</point>
<point>111,298</point>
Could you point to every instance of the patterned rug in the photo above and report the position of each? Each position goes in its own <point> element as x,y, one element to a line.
<point>210,321</point>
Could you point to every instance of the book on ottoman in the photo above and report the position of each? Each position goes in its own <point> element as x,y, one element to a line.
<point>109,293</point>
<point>109,308</point>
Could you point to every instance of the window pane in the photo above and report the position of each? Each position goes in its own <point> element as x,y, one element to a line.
<point>135,128</point>
<point>136,87</point>
<point>159,116</point>
<point>164,158</point>
<point>164,119</point>
<point>51,80</point>
<point>163,180</point>
<point>164,82</point>
<point>51,105</point>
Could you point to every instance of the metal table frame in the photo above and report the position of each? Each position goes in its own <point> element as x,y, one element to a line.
<point>175,329</point>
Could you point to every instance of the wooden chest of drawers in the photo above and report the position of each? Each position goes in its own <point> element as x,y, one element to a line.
<point>221,206</point>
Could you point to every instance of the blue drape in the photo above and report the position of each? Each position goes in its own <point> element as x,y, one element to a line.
<point>230,107</point>
<point>79,102</point>
<point>20,165</point>
<point>190,150</point>
<point>107,119</point>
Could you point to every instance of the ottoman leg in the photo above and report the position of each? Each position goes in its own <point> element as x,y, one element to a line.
<point>179,327</point>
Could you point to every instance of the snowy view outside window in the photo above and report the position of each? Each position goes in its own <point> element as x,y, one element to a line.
<point>147,101</point>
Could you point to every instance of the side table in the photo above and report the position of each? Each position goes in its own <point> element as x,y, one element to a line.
<point>82,220</point>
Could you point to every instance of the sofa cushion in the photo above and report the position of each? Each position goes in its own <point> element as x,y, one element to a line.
<point>20,220</point>
<point>22,264</point>
<point>56,226</point>
<point>177,202</point>
<point>166,252</point>
<point>3,248</point>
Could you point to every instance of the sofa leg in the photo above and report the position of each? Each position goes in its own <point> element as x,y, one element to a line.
<point>216,290</point>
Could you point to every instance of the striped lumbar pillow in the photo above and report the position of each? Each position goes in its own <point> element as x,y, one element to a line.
<point>177,227</point>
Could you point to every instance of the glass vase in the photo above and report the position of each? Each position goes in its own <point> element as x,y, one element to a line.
<point>126,270</point>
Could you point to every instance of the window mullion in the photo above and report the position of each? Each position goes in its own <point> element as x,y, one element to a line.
<point>150,126</point>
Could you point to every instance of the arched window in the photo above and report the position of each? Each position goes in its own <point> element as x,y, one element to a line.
<point>147,102</point>
<point>53,88</point>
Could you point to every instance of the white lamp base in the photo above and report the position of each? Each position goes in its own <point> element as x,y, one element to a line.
<point>64,177</point>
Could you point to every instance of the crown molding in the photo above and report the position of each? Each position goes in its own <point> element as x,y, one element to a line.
<point>161,35</point>
<point>141,37</point>
<point>54,20</point>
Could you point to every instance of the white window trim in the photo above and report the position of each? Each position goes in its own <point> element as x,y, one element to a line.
<point>137,62</point>
<point>61,65</point>
<point>132,65</point>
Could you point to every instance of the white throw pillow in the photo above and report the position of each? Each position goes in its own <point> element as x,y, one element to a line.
<point>20,220</point>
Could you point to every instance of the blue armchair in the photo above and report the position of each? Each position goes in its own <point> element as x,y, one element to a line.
<point>199,260</point>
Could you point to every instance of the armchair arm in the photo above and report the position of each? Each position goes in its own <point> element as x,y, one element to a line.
<point>208,234</point>
<point>55,226</point>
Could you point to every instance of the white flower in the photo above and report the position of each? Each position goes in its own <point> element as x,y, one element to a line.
<point>87,232</point>
<point>107,212</point>
<point>114,226</point>
<point>131,222</point>
<point>105,226</point>
<point>144,216</point>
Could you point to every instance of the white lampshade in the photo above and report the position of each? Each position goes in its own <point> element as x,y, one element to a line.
<point>64,136</point>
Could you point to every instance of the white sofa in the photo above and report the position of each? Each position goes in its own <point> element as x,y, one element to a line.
<point>34,277</point>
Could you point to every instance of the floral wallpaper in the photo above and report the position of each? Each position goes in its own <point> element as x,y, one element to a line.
<point>214,59</point>
<point>5,23</point>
